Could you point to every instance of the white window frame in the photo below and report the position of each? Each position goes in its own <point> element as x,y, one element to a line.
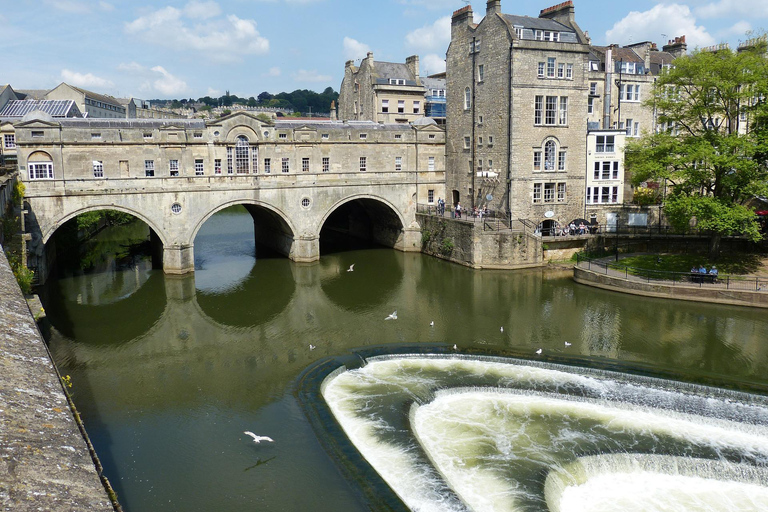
<point>305,164</point>
<point>267,166</point>
<point>326,163</point>
<point>173,168</point>
<point>416,107</point>
<point>149,168</point>
<point>285,165</point>
<point>363,163</point>
<point>98,169</point>
<point>431,163</point>
<point>199,167</point>
<point>398,163</point>
<point>385,106</point>
<point>40,170</point>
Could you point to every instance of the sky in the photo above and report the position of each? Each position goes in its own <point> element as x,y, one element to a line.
<point>192,48</point>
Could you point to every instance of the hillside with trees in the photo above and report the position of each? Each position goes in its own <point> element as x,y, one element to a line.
<point>300,100</point>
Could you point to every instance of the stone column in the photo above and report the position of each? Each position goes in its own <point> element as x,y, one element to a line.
<point>411,239</point>
<point>178,259</point>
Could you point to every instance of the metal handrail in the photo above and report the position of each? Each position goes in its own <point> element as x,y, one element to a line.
<point>629,273</point>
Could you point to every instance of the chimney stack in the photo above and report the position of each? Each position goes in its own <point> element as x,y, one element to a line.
<point>413,64</point>
<point>677,47</point>
<point>492,7</point>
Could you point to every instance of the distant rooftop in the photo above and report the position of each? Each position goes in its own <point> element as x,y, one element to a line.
<point>55,108</point>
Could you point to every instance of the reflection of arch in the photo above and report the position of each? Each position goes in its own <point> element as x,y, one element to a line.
<point>57,224</point>
<point>265,212</point>
<point>112,323</point>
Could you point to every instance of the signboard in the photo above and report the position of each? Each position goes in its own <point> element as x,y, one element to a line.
<point>549,214</point>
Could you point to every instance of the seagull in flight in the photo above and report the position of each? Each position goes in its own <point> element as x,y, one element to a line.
<point>567,344</point>
<point>351,268</point>
<point>392,316</point>
<point>538,352</point>
<point>258,439</point>
<point>455,347</point>
<point>432,323</point>
<point>312,347</point>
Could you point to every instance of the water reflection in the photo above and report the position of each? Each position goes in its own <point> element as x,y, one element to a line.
<point>168,376</point>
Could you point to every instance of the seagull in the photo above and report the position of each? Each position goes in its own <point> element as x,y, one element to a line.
<point>351,268</point>
<point>393,316</point>
<point>455,347</point>
<point>538,351</point>
<point>312,347</point>
<point>567,344</point>
<point>258,439</point>
<point>502,328</point>
<point>432,323</point>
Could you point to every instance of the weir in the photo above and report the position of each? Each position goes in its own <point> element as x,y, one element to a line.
<point>497,434</point>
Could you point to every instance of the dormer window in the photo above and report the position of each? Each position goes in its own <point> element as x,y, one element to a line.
<point>547,35</point>
<point>397,81</point>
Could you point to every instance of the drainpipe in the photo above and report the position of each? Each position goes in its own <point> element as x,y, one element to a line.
<point>509,139</point>
<point>608,87</point>
<point>472,146</point>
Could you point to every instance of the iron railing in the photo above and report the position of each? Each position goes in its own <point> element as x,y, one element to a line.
<point>629,273</point>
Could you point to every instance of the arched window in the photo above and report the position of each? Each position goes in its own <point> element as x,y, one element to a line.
<point>550,155</point>
<point>40,166</point>
<point>242,155</point>
<point>467,99</point>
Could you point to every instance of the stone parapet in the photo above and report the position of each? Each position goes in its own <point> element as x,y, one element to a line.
<point>45,462</point>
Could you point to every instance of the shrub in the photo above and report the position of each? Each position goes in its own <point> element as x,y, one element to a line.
<point>446,247</point>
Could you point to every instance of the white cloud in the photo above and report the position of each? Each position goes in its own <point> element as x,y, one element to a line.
<point>354,49</point>
<point>131,67</point>
<point>202,10</point>
<point>672,19</point>
<point>274,71</point>
<point>430,64</point>
<point>85,80</point>
<point>303,75</point>
<point>431,38</point>
<point>219,39</point>
<point>739,28</point>
<point>167,83</point>
<point>731,8</point>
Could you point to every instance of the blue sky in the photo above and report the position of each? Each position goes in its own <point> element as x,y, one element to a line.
<point>193,48</point>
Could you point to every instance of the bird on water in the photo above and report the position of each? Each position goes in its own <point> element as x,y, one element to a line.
<point>392,316</point>
<point>351,268</point>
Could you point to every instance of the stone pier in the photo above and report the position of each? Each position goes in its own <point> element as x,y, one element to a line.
<point>45,461</point>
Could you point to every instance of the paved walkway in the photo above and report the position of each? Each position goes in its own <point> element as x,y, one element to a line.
<point>724,282</point>
<point>45,462</point>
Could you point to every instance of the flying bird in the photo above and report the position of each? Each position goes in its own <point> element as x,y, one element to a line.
<point>312,347</point>
<point>258,439</point>
<point>432,323</point>
<point>455,347</point>
<point>392,316</point>
<point>502,328</point>
<point>351,268</point>
<point>567,344</point>
<point>538,351</point>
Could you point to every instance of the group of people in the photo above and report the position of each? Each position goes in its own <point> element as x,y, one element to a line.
<point>573,229</point>
<point>458,209</point>
<point>702,270</point>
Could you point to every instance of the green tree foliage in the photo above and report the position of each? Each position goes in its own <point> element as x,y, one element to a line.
<point>714,147</point>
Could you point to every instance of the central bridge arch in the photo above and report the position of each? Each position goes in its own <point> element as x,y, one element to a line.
<point>271,226</point>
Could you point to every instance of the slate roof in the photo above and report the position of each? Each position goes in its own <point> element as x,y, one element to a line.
<point>619,54</point>
<point>100,122</point>
<point>392,70</point>
<point>55,108</point>
<point>31,94</point>
<point>536,23</point>
<point>433,83</point>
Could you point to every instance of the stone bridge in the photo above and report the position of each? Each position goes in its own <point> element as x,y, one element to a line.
<point>295,178</point>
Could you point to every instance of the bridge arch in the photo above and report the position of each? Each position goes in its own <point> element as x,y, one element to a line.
<point>48,232</point>
<point>366,216</point>
<point>272,226</point>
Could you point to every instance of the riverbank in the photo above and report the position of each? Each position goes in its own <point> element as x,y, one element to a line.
<point>599,274</point>
<point>45,462</point>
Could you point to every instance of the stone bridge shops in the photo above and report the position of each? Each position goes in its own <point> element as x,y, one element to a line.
<point>359,178</point>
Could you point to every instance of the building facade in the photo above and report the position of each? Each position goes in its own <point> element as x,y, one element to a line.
<point>516,114</point>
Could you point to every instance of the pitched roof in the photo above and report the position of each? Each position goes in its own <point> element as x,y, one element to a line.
<point>31,94</point>
<point>55,108</point>
<point>536,23</point>
<point>392,70</point>
<point>618,54</point>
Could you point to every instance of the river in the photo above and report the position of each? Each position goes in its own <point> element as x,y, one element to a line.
<point>168,372</point>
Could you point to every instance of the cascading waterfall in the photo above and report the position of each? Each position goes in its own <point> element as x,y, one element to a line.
<point>491,434</point>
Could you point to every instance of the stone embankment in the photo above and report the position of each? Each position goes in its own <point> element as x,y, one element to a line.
<point>45,461</point>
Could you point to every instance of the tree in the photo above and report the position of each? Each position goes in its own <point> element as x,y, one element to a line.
<point>712,143</point>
